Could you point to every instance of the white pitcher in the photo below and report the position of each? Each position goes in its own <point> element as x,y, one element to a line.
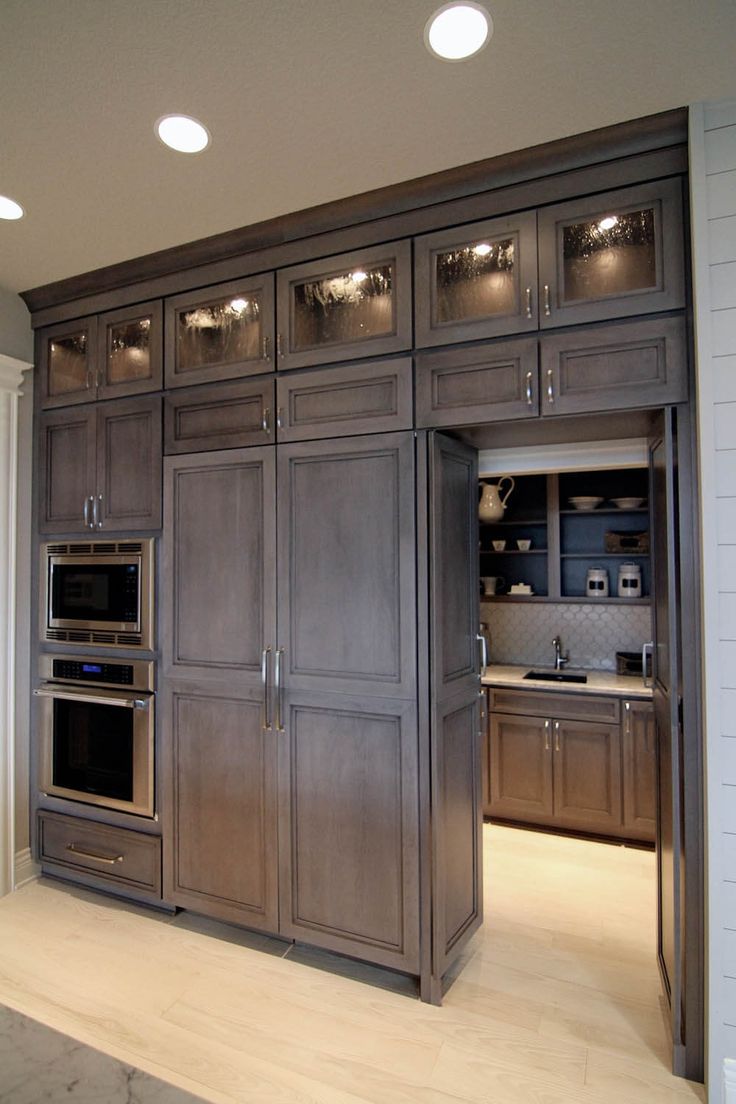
<point>492,501</point>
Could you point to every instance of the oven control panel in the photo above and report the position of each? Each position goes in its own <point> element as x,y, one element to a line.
<point>75,670</point>
<point>96,671</point>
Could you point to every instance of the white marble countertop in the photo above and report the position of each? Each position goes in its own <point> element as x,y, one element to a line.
<point>599,682</point>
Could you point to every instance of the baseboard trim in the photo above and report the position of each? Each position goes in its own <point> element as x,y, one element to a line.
<point>26,870</point>
<point>729,1081</point>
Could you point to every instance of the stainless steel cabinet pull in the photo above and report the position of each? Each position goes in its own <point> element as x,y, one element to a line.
<point>483,652</point>
<point>279,418</point>
<point>85,512</point>
<point>550,386</point>
<point>529,396</point>
<point>266,420</point>
<point>279,690</point>
<point>266,348</point>
<point>547,308</point>
<point>278,345</point>
<point>266,724</point>
<point>90,378</point>
<point>528,302</point>
<point>627,714</point>
<point>96,512</point>
<point>557,735</point>
<point>547,745</point>
<point>91,855</point>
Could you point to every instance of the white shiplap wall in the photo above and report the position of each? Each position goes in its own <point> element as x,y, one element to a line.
<point>713,198</point>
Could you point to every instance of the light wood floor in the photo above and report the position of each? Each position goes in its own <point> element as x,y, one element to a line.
<point>557,1003</point>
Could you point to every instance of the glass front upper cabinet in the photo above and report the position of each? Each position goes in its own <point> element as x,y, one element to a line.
<point>353,305</point>
<point>476,281</point>
<point>220,332</point>
<point>612,255</point>
<point>68,357</point>
<point>130,351</point>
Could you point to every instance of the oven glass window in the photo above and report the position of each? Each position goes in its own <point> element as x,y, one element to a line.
<point>95,592</point>
<point>93,749</point>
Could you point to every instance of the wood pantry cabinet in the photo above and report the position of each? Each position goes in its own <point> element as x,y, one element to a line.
<point>564,761</point>
<point>100,467</point>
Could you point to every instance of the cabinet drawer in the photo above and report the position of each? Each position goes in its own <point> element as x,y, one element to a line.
<point>614,367</point>
<point>478,385</point>
<point>339,402</point>
<point>228,415</point>
<point>539,703</point>
<point>69,845</point>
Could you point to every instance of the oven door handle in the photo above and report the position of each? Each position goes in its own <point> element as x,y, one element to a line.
<point>94,699</point>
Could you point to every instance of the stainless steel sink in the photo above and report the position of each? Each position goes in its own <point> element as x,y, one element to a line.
<point>555,676</point>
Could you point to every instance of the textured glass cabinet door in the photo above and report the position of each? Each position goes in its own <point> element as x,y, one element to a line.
<point>130,351</point>
<point>67,357</point>
<point>612,255</point>
<point>476,281</point>
<point>221,332</point>
<point>357,304</point>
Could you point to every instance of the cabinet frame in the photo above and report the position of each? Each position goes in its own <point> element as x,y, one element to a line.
<point>509,368</point>
<point>67,329</point>
<point>152,310</point>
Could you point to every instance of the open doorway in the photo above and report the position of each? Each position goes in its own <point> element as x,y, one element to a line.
<point>553,819</point>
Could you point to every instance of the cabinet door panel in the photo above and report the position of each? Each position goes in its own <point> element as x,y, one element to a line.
<point>220,332</point>
<point>476,281</point>
<point>349,826</point>
<point>67,359</point>
<point>227,415</point>
<point>219,567</point>
<point>342,401</point>
<point>521,768</point>
<point>129,464</point>
<point>479,385</point>
<point>130,351</point>
<point>67,468</point>
<point>587,775</point>
<point>640,769</point>
<point>612,255</point>
<point>221,854</point>
<point>352,305</point>
<point>614,367</point>
<point>346,576</point>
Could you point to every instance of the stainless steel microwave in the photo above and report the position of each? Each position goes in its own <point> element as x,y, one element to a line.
<point>98,592</point>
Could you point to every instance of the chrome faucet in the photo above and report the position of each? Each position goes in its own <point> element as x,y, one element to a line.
<point>560,659</point>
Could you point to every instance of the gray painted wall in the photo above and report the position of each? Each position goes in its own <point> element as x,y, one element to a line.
<point>713,196</point>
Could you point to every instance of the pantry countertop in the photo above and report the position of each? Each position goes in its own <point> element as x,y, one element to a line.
<point>599,682</point>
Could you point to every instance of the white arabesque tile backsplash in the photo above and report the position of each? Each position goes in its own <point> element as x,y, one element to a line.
<point>592,634</point>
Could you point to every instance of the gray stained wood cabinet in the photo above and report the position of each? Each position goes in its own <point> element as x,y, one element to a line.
<point>100,467</point>
<point>220,416</point>
<point>220,332</point>
<point>351,305</point>
<point>112,355</point>
<point>610,255</point>
<point>564,761</point>
<point>327,691</point>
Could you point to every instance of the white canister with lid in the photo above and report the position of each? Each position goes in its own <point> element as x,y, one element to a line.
<point>629,580</point>
<point>596,582</point>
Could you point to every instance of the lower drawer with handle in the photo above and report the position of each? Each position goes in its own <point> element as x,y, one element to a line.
<point>99,853</point>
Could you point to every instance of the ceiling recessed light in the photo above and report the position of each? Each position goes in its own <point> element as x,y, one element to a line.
<point>182,133</point>
<point>9,209</point>
<point>458,30</point>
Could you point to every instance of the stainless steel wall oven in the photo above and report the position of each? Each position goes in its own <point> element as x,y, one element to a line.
<point>97,731</point>
<point>98,592</point>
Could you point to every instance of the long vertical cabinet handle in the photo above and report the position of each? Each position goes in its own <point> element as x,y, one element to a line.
<point>547,744</point>
<point>85,512</point>
<point>647,651</point>
<point>528,302</point>
<point>266,420</point>
<point>266,348</point>
<point>557,735</point>
<point>627,719</point>
<point>97,512</point>
<point>529,392</point>
<point>483,652</point>
<point>279,690</point>
<point>547,307</point>
<point>266,722</point>
<point>550,386</point>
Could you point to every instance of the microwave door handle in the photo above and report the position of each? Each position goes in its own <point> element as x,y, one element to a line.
<point>94,699</point>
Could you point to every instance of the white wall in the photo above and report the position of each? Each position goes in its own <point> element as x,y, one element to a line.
<point>713,196</point>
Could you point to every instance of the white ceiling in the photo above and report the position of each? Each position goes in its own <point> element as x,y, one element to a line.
<point>306,102</point>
